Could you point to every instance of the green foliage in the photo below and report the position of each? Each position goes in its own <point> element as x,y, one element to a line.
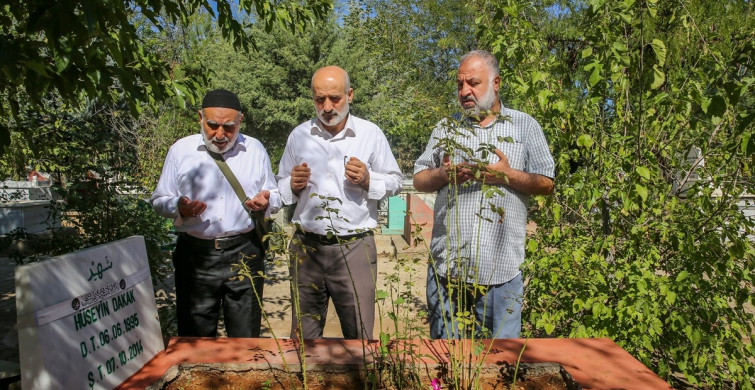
<point>91,156</point>
<point>648,107</point>
<point>273,83</point>
<point>78,79</point>
<point>400,55</point>
<point>96,49</point>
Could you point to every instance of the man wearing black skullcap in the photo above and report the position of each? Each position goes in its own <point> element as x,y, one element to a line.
<point>215,230</point>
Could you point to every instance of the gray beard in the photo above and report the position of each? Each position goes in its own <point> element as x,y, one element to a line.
<point>214,148</point>
<point>485,104</point>
<point>338,118</point>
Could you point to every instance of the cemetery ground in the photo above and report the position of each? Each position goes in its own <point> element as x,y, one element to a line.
<point>403,266</point>
<point>401,270</point>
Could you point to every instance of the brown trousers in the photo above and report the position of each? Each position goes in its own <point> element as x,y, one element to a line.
<point>345,273</point>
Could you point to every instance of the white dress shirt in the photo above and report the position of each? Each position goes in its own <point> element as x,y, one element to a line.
<point>328,187</point>
<point>190,171</point>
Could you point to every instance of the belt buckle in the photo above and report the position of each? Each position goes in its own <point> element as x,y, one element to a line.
<point>217,246</point>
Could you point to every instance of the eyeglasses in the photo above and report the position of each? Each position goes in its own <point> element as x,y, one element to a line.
<point>228,126</point>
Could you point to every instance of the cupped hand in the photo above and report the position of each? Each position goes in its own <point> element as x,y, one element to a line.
<point>190,208</point>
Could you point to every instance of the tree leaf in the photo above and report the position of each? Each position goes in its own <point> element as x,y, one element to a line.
<point>585,141</point>
<point>658,77</point>
<point>717,106</point>
<point>595,4</point>
<point>559,106</point>
<point>748,144</point>
<point>660,51</point>
<point>36,66</point>
<point>670,297</point>
<point>705,103</point>
<point>643,171</point>
<point>642,191</point>
<point>595,76</point>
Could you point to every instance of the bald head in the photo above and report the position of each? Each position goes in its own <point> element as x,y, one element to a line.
<point>333,74</point>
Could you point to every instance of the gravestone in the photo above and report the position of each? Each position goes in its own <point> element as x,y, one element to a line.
<point>31,215</point>
<point>396,215</point>
<point>87,319</point>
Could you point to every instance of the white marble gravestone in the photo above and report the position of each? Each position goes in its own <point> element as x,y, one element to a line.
<point>87,320</point>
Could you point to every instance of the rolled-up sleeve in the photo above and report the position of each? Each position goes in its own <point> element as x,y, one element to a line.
<point>386,178</point>
<point>271,185</point>
<point>539,157</point>
<point>430,158</point>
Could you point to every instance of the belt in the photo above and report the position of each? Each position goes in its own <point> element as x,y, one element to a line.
<point>219,243</point>
<point>333,239</point>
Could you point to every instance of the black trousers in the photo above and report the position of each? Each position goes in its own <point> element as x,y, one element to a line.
<point>207,280</point>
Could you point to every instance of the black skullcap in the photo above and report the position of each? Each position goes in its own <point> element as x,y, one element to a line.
<point>221,98</point>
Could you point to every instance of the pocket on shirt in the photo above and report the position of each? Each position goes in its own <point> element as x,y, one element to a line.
<point>353,192</point>
<point>516,154</point>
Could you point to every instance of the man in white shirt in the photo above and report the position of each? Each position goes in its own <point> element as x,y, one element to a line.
<point>215,230</point>
<point>336,168</point>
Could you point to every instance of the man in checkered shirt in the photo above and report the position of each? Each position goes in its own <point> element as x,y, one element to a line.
<point>484,165</point>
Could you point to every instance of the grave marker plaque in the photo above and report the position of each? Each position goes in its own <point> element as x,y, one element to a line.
<point>87,319</point>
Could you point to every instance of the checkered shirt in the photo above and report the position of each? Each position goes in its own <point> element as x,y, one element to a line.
<point>470,240</point>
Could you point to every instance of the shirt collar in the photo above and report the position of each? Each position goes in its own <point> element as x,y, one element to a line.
<point>501,117</point>
<point>348,130</point>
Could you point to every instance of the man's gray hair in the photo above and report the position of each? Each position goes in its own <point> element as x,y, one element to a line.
<point>348,82</point>
<point>486,57</point>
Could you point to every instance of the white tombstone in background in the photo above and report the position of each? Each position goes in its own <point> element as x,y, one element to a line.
<point>87,320</point>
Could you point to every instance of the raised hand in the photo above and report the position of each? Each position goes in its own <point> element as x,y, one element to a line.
<point>299,178</point>
<point>190,208</point>
<point>357,172</point>
<point>259,202</point>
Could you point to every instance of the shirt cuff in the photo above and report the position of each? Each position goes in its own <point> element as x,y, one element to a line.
<point>287,195</point>
<point>377,186</point>
<point>274,204</point>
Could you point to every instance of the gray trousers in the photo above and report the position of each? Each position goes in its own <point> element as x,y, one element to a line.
<point>345,273</point>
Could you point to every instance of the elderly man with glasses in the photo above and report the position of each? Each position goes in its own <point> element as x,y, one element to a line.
<point>215,229</point>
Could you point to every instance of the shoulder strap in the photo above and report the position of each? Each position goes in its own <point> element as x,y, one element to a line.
<point>257,216</point>
<point>228,173</point>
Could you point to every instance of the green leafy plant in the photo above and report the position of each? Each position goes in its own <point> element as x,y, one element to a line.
<point>97,50</point>
<point>648,107</point>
